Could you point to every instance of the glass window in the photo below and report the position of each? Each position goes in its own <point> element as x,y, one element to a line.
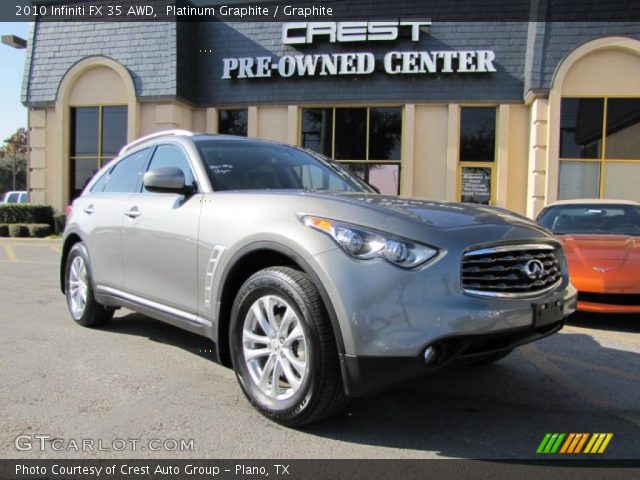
<point>367,140</point>
<point>623,129</point>
<point>236,165</point>
<point>622,180</point>
<point>595,219</point>
<point>125,176</point>
<point>84,125</point>
<point>579,180</point>
<point>385,178</point>
<point>82,170</point>
<point>351,134</point>
<point>581,127</point>
<point>114,130</point>
<point>233,122</point>
<point>317,130</point>
<point>477,134</point>
<point>611,167</point>
<point>99,185</point>
<point>385,133</point>
<point>97,135</point>
<point>476,185</point>
<point>172,156</point>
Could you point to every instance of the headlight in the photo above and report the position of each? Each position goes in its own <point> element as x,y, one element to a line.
<point>364,244</point>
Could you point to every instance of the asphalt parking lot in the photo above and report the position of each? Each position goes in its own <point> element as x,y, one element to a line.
<point>140,379</point>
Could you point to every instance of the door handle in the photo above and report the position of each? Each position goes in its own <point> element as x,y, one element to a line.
<point>133,212</point>
<point>89,210</point>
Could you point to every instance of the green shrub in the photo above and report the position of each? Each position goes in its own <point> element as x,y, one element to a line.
<point>59,222</point>
<point>18,230</point>
<point>4,230</point>
<point>26,213</point>
<point>39,230</point>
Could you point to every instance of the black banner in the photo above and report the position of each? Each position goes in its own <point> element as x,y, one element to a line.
<point>317,469</point>
<point>319,10</point>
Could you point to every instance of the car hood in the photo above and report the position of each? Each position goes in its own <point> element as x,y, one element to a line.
<point>436,214</point>
<point>605,252</point>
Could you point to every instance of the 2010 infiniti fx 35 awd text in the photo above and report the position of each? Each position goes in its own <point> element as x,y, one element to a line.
<point>313,286</point>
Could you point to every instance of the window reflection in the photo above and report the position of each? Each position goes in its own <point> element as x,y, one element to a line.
<point>623,128</point>
<point>351,133</point>
<point>233,122</point>
<point>477,134</point>
<point>581,127</point>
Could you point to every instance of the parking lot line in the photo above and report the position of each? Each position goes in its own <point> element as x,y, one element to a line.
<point>10,252</point>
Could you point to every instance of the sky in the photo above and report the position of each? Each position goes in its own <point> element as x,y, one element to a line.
<point>13,114</point>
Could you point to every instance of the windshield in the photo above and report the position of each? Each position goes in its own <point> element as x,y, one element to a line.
<point>237,165</point>
<point>592,219</point>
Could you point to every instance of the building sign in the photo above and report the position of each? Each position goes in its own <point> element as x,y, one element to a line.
<point>357,63</point>
<point>476,185</point>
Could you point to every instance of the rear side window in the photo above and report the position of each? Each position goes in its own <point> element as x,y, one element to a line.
<point>172,156</point>
<point>125,176</point>
<point>99,185</point>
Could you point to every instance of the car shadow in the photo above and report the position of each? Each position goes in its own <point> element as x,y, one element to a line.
<point>629,323</point>
<point>498,411</point>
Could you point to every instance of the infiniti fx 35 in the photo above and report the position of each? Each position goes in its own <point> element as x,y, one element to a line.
<point>313,286</point>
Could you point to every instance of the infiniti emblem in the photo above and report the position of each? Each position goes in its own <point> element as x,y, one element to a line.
<point>533,269</point>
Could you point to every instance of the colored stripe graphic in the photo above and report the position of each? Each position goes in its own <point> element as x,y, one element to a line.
<point>574,443</point>
<point>550,443</point>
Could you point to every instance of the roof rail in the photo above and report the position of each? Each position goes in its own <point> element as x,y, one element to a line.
<point>162,133</point>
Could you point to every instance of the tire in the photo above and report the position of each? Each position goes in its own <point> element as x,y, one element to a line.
<point>83,307</point>
<point>491,358</point>
<point>302,357</point>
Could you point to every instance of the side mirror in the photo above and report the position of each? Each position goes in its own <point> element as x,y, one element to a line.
<point>166,180</point>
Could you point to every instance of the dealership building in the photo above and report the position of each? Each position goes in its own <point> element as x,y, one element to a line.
<point>515,114</point>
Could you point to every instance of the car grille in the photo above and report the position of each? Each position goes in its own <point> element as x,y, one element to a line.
<point>511,270</point>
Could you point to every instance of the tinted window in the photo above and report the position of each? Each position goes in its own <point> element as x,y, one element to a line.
<point>172,156</point>
<point>623,127</point>
<point>477,134</point>
<point>114,130</point>
<point>385,133</point>
<point>317,130</point>
<point>82,170</point>
<point>126,174</point>
<point>581,127</point>
<point>234,165</point>
<point>99,185</point>
<point>84,132</point>
<point>351,134</point>
<point>233,122</point>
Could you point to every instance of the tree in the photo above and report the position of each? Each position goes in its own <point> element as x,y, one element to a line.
<point>13,162</point>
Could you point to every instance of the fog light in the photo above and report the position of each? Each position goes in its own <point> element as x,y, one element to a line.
<point>431,355</point>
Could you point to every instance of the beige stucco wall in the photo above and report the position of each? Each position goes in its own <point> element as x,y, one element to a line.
<point>272,123</point>
<point>430,152</point>
<point>517,156</point>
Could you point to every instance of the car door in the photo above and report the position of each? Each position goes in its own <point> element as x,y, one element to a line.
<point>100,213</point>
<point>160,235</point>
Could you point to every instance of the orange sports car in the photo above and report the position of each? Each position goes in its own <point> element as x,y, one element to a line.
<point>601,240</point>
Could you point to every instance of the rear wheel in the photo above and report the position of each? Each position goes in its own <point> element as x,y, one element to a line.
<point>83,307</point>
<point>283,349</point>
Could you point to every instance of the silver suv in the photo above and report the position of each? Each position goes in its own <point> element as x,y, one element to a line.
<point>313,286</point>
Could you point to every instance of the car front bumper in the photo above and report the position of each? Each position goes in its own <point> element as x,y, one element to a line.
<point>388,316</point>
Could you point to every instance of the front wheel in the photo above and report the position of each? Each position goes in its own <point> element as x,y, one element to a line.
<point>83,307</point>
<point>283,348</point>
